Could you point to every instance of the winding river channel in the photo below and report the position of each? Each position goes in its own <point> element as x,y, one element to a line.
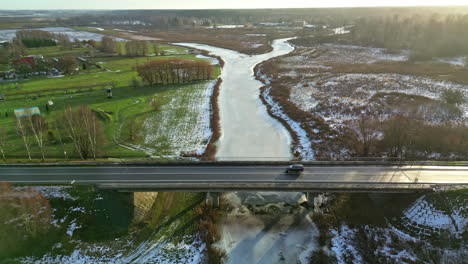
<point>247,131</point>
<point>262,228</point>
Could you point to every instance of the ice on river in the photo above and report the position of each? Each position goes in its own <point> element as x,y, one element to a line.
<point>267,227</point>
<point>248,132</point>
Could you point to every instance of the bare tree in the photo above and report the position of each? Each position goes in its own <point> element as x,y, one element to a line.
<point>38,127</point>
<point>397,134</point>
<point>67,64</point>
<point>59,135</point>
<point>83,128</point>
<point>3,141</point>
<point>366,131</point>
<point>23,130</point>
<point>108,44</point>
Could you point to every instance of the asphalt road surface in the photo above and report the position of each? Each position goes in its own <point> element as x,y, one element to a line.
<point>236,174</point>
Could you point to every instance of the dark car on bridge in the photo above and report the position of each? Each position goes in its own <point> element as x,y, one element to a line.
<point>295,168</point>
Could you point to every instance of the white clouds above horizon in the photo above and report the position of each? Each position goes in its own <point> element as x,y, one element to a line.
<point>213,4</point>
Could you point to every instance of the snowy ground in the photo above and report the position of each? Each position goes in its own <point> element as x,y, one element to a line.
<point>338,98</point>
<point>411,240</point>
<point>326,53</point>
<point>457,61</point>
<point>182,124</point>
<point>422,213</point>
<point>332,99</point>
<point>156,249</point>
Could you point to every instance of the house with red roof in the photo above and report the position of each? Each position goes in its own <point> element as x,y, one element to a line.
<point>27,60</point>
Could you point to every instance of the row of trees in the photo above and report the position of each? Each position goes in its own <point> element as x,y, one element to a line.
<point>426,36</point>
<point>175,71</point>
<point>133,48</point>
<point>78,125</point>
<point>405,137</point>
<point>41,38</point>
<point>108,45</point>
<point>136,48</point>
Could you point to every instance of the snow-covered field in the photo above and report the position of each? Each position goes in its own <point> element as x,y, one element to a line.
<point>71,249</point>
<point>338,98</point>
<point>183,124</point>
<point>411,241</point>
<point>325,94</point>
<point>326,53</point>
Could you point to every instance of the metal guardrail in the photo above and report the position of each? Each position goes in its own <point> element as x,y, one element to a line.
<point>241,163</point>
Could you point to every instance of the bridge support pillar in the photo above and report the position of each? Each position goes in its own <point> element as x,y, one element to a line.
<point>310,198</point>
<point>213,199</point>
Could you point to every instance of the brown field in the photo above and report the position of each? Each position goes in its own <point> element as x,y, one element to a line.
<point>235,39</point>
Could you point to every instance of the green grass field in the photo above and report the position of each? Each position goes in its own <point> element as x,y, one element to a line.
<point>129,107</point>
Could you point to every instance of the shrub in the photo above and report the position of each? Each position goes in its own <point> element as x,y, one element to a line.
<point>454,97</point>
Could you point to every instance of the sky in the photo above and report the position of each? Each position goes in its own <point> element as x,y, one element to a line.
<point>212,4</point>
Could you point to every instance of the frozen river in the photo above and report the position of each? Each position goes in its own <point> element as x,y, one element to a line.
<point>247,131</point>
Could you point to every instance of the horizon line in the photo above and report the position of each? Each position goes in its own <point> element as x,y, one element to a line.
<point>259,8</point>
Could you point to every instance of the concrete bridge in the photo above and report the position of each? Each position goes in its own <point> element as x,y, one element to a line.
<point>222,177</point>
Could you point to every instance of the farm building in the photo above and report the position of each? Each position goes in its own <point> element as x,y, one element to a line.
<point>25,112</point>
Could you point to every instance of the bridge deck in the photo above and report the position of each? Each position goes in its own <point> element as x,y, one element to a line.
<point>225,178</point>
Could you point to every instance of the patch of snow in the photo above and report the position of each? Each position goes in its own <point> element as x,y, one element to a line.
<point>339,98</point>
<point>212,60</point>
<point>50,191</point>
<point>190,133</point>
<point>100,29</point>
<point>256,35</point>
<point>343,247</point>
<point>305,145</point>
<point>457,61</point>
<point>226,26</point>
<point>73,226</point>
<point>164,252</point>
<point>358,54</point>
<point>423,213</point>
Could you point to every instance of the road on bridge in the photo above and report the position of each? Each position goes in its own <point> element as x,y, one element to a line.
<point>235,174</point>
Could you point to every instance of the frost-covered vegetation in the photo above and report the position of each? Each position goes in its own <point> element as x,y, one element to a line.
<point>361,101</point>
<point>182,124</point>
<point>80,225</point>
<point>414,229</point>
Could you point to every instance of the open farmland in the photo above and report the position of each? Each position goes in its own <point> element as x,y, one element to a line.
<point>133,126</point>
<point>328,88</point>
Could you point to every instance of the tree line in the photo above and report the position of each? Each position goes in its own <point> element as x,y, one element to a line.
<point>78,125</point>
<point>175,71</point>
<point>132,48</point>
<point>426,36</point>
<point>41,38</point>
<point>405,137</point>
